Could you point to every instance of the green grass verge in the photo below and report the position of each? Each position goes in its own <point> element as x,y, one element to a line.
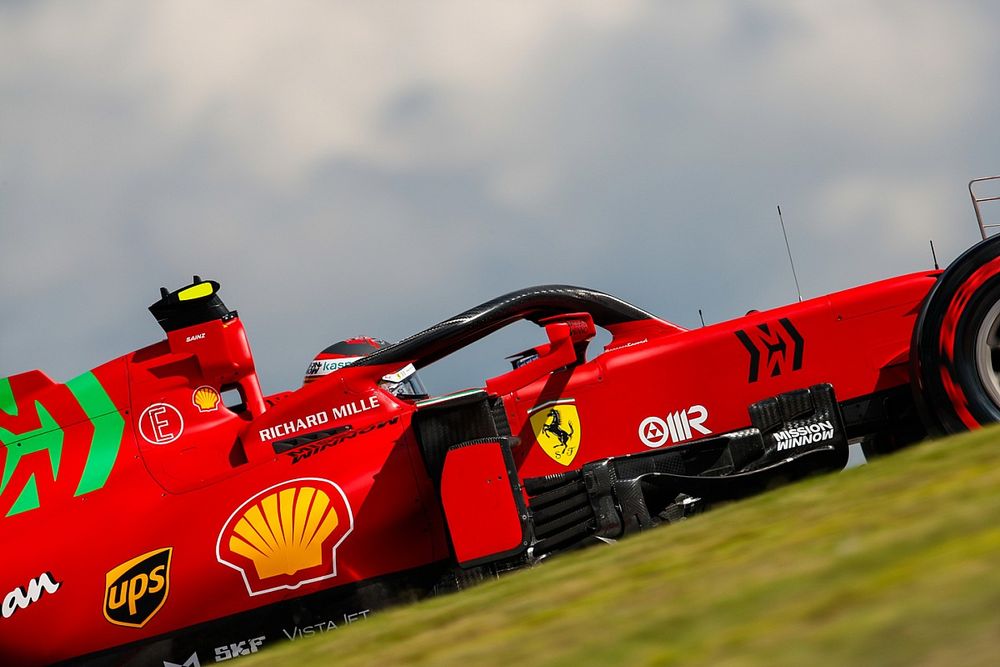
<point>893,563</point>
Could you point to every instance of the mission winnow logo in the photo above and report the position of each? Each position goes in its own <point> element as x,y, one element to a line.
<point>798,436</point>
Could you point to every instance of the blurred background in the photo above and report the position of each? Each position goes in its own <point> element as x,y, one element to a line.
<point>372,168</point>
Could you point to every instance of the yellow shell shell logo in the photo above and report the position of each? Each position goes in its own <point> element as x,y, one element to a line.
<point>283,532</point>
<point>206,399</point>
<point>287,535</point>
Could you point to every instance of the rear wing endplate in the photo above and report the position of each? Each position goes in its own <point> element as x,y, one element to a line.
<point>977,200</point>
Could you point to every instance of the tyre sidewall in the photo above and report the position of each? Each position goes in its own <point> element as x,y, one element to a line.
<point>947,386</point>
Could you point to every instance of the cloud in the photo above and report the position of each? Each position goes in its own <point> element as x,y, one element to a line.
<point>351,168</point>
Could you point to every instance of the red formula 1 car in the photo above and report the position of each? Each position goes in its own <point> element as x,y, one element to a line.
<point>160,509</point>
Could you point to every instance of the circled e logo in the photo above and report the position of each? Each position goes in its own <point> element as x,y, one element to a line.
<point>161,424</point>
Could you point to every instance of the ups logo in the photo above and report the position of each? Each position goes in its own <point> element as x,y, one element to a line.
<point>136,590</point>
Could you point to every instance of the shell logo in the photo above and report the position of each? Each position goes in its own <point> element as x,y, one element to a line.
<point>287,535</point>
<point>206,399</point>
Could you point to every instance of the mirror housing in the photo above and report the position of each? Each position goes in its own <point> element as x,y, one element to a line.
<point>568,336</point>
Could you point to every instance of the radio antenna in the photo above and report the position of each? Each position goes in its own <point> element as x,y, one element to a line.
<point>934,255</point>
<point>702,317</point>
<point>790,260</point>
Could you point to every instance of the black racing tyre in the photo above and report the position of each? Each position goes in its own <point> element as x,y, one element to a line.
<point>955,352</point>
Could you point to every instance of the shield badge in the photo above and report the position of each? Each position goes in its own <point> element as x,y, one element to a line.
<point>556,426</point>
<point>136,590</point>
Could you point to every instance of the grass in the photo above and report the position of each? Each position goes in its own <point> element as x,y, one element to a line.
<point>893,563</point>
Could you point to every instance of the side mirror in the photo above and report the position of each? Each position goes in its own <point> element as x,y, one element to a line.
<point>565,333</point>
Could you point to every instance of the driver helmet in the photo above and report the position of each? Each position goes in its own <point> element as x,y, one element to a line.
<point>403,382</point>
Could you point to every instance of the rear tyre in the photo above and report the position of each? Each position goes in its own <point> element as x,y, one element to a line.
<point>955,351</point>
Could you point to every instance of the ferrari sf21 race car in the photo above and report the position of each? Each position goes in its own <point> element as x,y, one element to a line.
<point>160,509</point>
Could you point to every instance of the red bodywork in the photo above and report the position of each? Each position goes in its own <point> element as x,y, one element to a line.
<point>132,460</point>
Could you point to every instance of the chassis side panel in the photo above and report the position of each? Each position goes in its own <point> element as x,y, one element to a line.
<point>662,392</point>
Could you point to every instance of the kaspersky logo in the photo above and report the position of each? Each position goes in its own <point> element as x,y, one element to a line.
<point>556,426</point>
<point>135,590</point>
<point>287,535</point>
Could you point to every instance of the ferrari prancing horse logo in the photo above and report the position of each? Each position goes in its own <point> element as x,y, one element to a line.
<point>557,430</point>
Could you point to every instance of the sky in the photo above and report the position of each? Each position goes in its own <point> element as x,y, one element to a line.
<point>371,168</point>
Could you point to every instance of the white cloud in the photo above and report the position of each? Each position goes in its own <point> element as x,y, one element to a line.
<point>395,163</point>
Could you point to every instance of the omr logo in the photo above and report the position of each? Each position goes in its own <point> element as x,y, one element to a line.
<point>678,426</point>
<point>770,345</point>
<point>134,591</point>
